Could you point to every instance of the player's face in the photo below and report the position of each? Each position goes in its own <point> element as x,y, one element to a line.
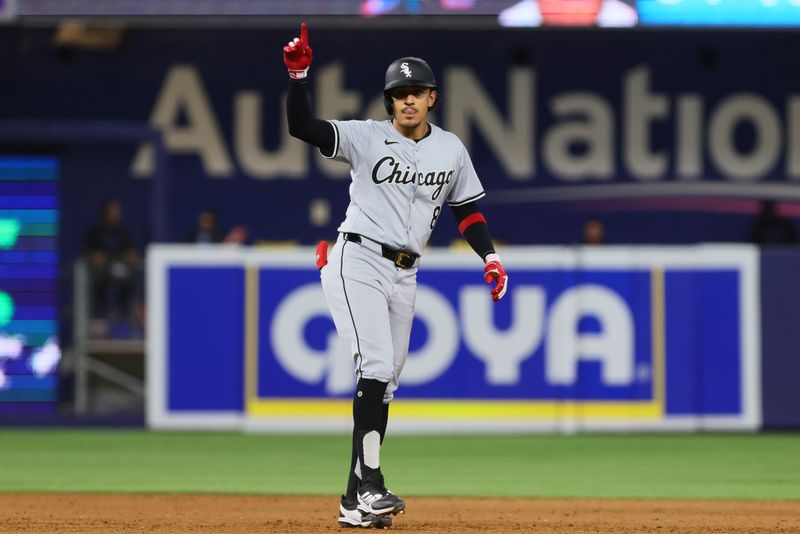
<point>411,105</point>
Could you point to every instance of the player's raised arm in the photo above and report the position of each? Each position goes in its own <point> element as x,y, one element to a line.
<point>297,55</point>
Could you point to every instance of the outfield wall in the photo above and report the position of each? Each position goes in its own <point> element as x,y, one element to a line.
<point>611,338</point>
<point>780,295</point>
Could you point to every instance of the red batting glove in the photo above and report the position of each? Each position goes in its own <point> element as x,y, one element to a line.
<point>321,257</point>
<point>298,55</point>
<point>494,272</point>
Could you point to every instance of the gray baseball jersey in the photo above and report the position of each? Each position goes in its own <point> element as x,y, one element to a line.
<point>399,186</point>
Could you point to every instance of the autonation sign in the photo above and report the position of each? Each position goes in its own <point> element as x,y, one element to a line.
<point>574,136</point>
<point>620,338</point>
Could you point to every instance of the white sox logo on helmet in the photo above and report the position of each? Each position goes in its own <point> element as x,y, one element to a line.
<point>404,68</point>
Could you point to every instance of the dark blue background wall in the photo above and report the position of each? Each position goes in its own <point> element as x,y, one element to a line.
<point>38,80</point>
<point>780,316</point>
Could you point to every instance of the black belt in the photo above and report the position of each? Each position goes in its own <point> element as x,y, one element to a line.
<point>401,258</point>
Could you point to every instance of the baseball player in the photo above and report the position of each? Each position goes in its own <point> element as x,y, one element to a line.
<point>403,171</point>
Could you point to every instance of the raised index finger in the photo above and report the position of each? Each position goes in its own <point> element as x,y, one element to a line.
<point>304,34</point>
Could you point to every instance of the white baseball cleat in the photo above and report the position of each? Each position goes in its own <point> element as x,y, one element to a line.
<point>351,517</point>
<point>377,500</point>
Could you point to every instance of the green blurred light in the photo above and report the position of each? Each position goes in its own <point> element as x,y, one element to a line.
<point>41,230</point>
<point>6,308</point>
<point>9,231</point>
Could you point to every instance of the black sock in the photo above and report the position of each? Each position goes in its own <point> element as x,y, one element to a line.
<point>369,414</point>
<point>352,479</point>
<point>384,420</point>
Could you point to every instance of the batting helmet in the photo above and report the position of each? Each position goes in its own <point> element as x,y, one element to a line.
<point>407,72</point>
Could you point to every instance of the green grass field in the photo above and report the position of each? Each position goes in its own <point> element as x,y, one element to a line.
<point>705,466</point>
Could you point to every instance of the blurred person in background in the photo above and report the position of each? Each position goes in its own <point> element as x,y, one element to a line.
<point>594,232</point>
<point>772,228</point>
<point>238,235</point>
<point>208,231</point>
<point>113,266</point>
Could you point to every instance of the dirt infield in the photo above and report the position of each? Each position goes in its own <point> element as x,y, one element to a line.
<point>90,513</point>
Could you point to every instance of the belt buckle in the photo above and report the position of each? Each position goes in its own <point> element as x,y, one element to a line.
<point>404,260</point>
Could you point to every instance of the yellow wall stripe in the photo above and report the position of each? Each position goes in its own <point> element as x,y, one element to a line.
<point>251,334</point>
<point>658,371</point>
<point>448,409</point>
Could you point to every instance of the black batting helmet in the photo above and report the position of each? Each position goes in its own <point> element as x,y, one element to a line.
<point>407,72</point>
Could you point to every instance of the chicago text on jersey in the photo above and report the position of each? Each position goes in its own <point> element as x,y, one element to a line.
<point>387,170</point>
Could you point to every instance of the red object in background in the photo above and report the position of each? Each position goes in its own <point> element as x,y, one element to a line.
<point>569,12</point>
